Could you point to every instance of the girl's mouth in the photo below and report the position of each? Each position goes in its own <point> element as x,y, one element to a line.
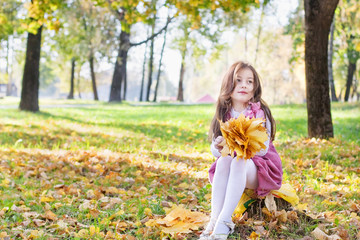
<point>242,92</point>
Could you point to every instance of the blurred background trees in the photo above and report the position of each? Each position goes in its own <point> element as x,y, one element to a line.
<point>157,50</point>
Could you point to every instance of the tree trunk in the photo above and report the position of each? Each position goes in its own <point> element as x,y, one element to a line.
<point>71,93</point>
<point>30,82</point>
<point>330,57</point>
<point>93,78</point>
<point>349,78</point>
<point>125,87</point>
<point>78,80</point>
<point>159,70</point>
<point>120,67</point>
<point>9,80</point>
<point>355,86</point>
<point>151,62</point>
<point>318,17</point>
<point>180,96</point>
<point>143,72</point>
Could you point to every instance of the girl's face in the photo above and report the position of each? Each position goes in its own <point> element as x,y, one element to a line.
<point>244,87</point>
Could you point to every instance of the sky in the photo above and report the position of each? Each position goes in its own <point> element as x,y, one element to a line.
<point>172,58</point>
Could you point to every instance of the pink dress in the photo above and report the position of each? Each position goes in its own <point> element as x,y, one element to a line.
<point>269,169</point>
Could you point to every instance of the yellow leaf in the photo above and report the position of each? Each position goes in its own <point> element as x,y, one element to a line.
<point>151,223</point>
<point>47,199</point>
<point>94,230</point>
<point>302,206</point>
<point>180,220</point>
<point>147,211</point>
<point>357,47</point>
<point>184,185</point>
<point>3,234</point>
<point>5,183</point>
<point>254,236</point>
<point>36,234</point>
<point>121,212</point>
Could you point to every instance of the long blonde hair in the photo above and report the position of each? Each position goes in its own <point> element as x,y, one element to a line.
<point>224,104</point>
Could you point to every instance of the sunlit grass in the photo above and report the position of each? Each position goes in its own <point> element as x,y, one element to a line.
<point>166,137</point>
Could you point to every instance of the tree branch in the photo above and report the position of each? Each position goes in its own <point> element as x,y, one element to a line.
<point>154,35</point>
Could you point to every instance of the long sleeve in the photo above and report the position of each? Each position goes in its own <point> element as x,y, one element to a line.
<point>214,150</point>
<point>262,152</point>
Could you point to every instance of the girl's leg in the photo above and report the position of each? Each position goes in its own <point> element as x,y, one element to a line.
<point>242,174</point>
<point>219,184</point>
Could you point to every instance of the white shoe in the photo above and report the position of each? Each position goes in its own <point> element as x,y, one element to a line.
<point>224,236</point>
<point>205,235</point>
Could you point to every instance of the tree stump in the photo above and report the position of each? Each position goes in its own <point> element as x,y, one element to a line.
<point>255,209</point>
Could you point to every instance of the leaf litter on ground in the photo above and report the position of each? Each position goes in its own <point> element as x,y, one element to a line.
<point>77,191</point>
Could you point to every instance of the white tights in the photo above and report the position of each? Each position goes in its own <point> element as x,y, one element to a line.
<point>230,179</point>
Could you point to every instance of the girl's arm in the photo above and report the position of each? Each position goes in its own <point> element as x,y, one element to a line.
<point>267,124</point>
<point>214,150</point>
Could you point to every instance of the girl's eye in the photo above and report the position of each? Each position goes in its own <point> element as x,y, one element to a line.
<point>250,81</point>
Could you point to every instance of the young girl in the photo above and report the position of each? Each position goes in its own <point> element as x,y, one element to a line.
<point>240,94</point>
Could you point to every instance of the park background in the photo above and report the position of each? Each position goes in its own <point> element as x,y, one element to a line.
<point>82,157</point>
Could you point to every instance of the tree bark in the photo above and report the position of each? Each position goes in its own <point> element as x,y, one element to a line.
<point>143,74</point>
<point>30,82</point>
<point>330,57</point>
<point>318,17</point>
<point>180,96</point>
<point>151,62</point>
<point>78,81</point>
<point>159,70</point>
<point>125,87</point>
<point>9,80</point>
<point>93,78</point>
<point>354,90</point>
<point>120,67</point>
<point>71,93</point>
<point>349,78</point>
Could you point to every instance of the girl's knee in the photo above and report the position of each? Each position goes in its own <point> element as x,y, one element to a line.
<point>238,163</point>
<point>223,163</point>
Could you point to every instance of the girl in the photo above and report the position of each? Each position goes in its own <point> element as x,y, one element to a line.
<point>240,94</point>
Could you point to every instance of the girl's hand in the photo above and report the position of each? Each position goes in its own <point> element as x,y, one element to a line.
<point>217,141</point>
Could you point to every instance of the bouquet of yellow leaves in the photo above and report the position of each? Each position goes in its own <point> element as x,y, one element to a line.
<point>244,136</point>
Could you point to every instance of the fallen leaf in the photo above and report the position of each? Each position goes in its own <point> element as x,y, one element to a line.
<point>254,236</point>
<point>320,235</point>
<point>180,220</point>
<point>46,199</point>
<point>270,203</point>
<point>50,215</point>
<point>39,222</point>
<point>281,216</point>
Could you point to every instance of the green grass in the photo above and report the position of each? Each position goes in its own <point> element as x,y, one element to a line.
<point>152,149</point>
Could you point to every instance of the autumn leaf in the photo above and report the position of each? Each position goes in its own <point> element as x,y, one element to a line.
<point>179,220</point>
<point>254,236</point>
<point>50,215</point>
<point>243,136</point>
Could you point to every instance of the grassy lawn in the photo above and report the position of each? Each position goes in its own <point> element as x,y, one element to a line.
<point>101,170</point>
